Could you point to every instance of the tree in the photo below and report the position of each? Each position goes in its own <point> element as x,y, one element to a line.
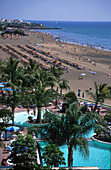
<point>46,78</point>
<point>1,69</point>
<point>99,94</point>
<point>107,91</point>
<point>107,117</point>
<point>70,97</point>
<point>42,96</point>
<point>31,67</point>
<point>26,98</point>
<point>23,153</point>
<point>2,145</point>
<point>11,99</point>
<point>5,115</point>
<point>53,156</point>
<point>63,85</point>
<point>57,72</point>
<point>10,70</point>
<point>69,129</point>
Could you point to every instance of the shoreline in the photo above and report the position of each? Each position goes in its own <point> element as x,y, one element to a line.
<point>76,44</point>
<point>63,41</point>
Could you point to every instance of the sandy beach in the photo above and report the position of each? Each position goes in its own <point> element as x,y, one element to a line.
<point>93,60</point>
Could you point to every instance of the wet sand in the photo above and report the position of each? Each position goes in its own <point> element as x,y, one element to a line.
<point>94,60</point>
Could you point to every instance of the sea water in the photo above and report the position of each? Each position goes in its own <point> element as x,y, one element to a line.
<point>97,34</point>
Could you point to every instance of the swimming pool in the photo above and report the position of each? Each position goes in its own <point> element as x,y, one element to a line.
<point>20,119</point>
<point>98,156</point>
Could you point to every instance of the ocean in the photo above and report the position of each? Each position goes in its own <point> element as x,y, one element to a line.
<point>97,34</point>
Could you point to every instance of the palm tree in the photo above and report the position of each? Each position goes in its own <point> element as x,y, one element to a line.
<point>10,71</point>
<point>107,117</point>
<point>12,98</point>
<point>99,94</point>
<point>45,77</point>
<point>32,66</point>
<point>42,96</point>
<point>57,72</point>
<point>26,98</point>
<point>1,69</point>
<point>63,84</point>
<point>70,97</point>
<point>69,129</point>
<point>107,90</point>
<point>2,145</point>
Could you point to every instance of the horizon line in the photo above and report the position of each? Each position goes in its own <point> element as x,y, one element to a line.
<point>63,20</point>
<point>60,20</point>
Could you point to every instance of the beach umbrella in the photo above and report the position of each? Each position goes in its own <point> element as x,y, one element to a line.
<point>57,89</point>
<point>83,74</point>
<point>79,94</point>
<point>12,128</point>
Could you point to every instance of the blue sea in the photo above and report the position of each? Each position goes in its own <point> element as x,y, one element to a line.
<point>97,34</point>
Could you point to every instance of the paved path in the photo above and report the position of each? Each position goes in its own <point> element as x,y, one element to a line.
<point>89,139</point>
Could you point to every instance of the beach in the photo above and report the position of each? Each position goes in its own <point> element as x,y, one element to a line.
<point>96,62</point>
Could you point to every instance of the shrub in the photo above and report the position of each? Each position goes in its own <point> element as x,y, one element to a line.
<point>30,118</point>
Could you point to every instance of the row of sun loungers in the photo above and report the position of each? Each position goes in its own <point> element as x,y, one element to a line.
<point>26,56</point>
<point>39,54</point>
<point>43,57</point>
<point>65,61</point>
<point>14,55</point>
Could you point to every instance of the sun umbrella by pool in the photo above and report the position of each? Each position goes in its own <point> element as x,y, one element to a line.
<point>7,89</point>
<point>1,85</point>
<point>87,104</point>
<point>12,128</point>
<point>9,148</point>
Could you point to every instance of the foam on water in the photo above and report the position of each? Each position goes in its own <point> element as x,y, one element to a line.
<point>97,34</point>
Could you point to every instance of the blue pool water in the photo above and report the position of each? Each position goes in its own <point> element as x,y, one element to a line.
<point>98,156</point>
<point>22,117</point>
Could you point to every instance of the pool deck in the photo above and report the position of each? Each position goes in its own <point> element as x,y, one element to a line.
<point>89,139</point>
<point>5,153</point>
